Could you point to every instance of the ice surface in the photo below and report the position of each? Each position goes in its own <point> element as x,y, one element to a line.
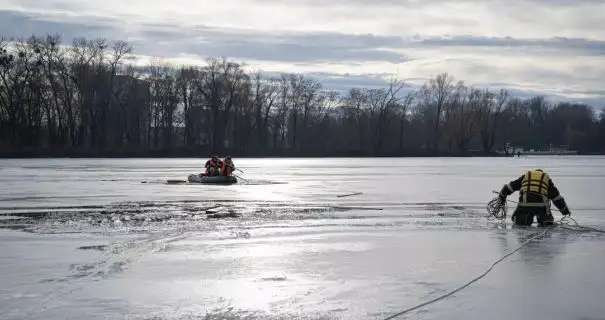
<point>107,239</point>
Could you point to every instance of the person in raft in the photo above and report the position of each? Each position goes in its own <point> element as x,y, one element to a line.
<point>227,167</point>
<point>213,166</point>
<point>536,190</point>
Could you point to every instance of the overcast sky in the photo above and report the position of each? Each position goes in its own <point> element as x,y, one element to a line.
<point>554,47</point>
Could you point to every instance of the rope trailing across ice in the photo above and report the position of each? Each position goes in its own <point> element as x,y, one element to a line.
<point>497,208</point>
<point>539,234</point>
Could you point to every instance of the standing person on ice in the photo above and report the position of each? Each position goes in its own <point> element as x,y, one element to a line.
<point>536,190</point>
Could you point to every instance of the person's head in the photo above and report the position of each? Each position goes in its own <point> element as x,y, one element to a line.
<point>214,157</point>
<point>228,159</point>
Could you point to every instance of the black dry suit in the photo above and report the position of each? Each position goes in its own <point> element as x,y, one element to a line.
<point>536,189</point>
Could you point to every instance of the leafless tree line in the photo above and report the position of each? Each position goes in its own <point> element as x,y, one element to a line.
<point>90,96</point>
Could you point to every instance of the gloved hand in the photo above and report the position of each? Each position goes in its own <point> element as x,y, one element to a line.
<point>566,212</point>
<point>502,197</point>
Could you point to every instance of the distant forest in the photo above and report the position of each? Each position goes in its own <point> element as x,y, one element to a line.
<point>88,99</point>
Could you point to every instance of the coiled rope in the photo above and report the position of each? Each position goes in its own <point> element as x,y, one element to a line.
<point>498,209</point>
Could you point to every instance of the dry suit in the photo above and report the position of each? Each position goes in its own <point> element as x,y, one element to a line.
<point>212,167</point>
<point>227,167</point>
<point>536,190</point>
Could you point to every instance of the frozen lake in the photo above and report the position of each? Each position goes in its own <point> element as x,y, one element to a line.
<point>107,239</point>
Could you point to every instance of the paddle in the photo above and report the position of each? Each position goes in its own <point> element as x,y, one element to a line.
<point>240,178</point>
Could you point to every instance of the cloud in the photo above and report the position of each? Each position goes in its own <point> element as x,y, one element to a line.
<point>345,82</point>
<point>161,39</point>
<point>560,44</point>
<point>555,47</point>
<point>17,24</point>
<point>276,46</point>
<point>308,48</point>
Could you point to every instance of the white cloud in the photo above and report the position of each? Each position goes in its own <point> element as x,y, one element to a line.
<point>515,18</point>
<point>519,44</point>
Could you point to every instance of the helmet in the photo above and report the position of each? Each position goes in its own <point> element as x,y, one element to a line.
<point>539,170</point>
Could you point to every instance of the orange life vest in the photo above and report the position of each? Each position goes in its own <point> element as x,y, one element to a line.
<point>226,168</point>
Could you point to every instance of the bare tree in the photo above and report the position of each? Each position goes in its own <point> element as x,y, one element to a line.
<point>357,104</point>
<point>435,94</point>
<point>462,115</point>
<point>404,107</point>
<point>89,97</point>
<point>489,112</point>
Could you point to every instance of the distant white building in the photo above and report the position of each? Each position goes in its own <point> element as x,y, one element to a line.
<point>550,150</point>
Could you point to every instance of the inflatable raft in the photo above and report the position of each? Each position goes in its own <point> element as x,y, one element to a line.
<point>196,178</point>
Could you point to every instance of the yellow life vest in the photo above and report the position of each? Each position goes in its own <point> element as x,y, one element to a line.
<point>535,182</point>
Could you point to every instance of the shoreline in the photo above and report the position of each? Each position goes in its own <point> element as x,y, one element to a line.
<point>46,153</point>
